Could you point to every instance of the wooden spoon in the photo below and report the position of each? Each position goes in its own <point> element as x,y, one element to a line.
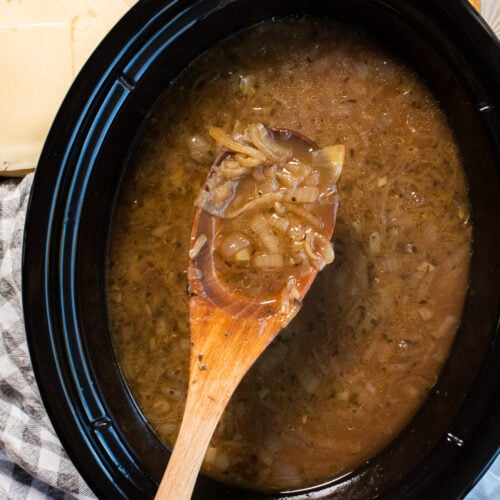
<point>228,334</point>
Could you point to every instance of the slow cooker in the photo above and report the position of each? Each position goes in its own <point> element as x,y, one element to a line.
<point>454,435</point>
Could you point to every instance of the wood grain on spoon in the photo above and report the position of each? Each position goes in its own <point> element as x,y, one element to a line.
<point>229,331</point>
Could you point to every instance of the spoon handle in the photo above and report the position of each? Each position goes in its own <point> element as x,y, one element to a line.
<point>223,348</point>
<point>200,420</point>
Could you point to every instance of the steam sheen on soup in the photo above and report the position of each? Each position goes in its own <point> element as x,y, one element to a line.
<point>347,374</point>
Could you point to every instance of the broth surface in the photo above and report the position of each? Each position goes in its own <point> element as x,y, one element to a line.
<point>343,379</point>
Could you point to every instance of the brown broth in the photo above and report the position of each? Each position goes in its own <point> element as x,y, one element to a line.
<point>344,378</point>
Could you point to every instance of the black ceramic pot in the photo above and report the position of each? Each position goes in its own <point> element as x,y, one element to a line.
<point>457,431</point>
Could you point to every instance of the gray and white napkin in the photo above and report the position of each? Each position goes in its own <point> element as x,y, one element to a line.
<point>33,464</point>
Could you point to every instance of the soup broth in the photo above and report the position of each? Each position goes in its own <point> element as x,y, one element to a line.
<point>349,372</point>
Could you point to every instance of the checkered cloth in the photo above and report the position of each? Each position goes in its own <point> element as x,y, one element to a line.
<point>33,464</point>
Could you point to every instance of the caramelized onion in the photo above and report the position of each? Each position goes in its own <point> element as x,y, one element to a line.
<point>319,249</point>
<point>304,194</point>
<point>272,149</point>
<point>247,161</point>
<point>261,203</point>
<point>223,191</point>
<point>232,243</point>
<point>304,214</point>
<point>243,255</point>
<point>268,261</point>
<point>264,233</point>
<point>232,169</point>
<point>225,140</point>
<point>198,245</point>
<point>278,222</point>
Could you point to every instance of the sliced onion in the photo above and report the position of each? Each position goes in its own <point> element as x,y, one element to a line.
<point>223,191</point>
<point>318,249</point>
<point>261,203</point>
<point>264,234</point>
<point>269,184</point>
<point>232,169</point>
<point>293,292</point>
<point>243,255</point>
<point>264,142</point>
<point>202,199</point>
<point>248,161</point>
<point>280,223</point>
<point>296,231</point>
<point>259,224</point>
<point>303,194</point>
<point>430,231</point>
<point>298,169</point>
<point>286,178</point>
<point>268,261</point>
<point>279,208</point>
<point>258,174</point>
<point>357,225</point>
<point>312,179</point>
<point>220,209</point>
<point>225,140</point>
<point>389,264</point>
<point>285,301</point>
<point>298,257</point>
<point>305,214</point>
<point>329,255</point>
<point>228,164</point>
<point>232,243</point>
<point>206,201</point>
<point>198,245</point>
